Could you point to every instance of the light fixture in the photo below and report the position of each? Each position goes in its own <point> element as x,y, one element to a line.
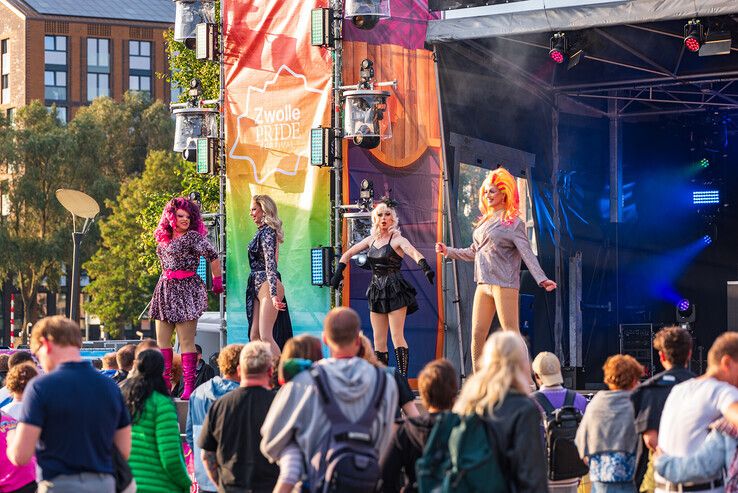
<point>366,115</point>
<point>704,162</point>
<point>693,35</point>
<point>206,41</point>
<point>321,146</point>
<point>701,197</point>
<point>557,45</point>
<point>717,42</point>
<point>321,27</point>
<point>707,240</point>
<point>190,125</point>
<point>188,14</point>
<point>366,14</point>
<point>686,312</point>
<point>321,265</point>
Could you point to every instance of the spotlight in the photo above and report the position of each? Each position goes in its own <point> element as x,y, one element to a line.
<point>321,262</point>
<point>191,124</point>
<point>706,197</point>
<point>693,35</point>
<point>366,120</point>
<point>558,48</point>
<point>704,163</point>
<point>366,14</point>
<point>686,312</point>
<point>707,240</point>
<point>188,14</point>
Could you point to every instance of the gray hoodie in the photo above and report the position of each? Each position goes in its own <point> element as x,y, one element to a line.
<point>297,416</point>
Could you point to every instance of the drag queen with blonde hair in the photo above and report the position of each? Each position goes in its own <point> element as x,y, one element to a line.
<point>499,242</point>
<point>391,297</point>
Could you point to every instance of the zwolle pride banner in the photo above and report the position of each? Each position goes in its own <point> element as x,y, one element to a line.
<point>277,87</point>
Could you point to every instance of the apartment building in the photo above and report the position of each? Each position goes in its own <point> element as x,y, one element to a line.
<point>68,52</point>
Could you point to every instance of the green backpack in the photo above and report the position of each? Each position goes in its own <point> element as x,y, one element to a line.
<point>460,456</point>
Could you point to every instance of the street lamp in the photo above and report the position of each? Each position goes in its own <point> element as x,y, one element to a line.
<point>81,205</point>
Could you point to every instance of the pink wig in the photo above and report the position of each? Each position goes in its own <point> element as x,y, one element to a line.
<point>506,184</point>
<point>165,230</point>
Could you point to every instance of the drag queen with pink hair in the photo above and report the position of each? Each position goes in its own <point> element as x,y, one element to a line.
<point>180,296</point>
<point>499,242</point>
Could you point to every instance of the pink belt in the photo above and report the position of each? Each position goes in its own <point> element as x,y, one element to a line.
<point>178,274</point>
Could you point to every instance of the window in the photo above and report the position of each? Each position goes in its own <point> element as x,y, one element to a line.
<point>61,113</point>
<point>10,115</point>
<point>55,73</point>
<point>4,72</point>
<point>55,83</point>
<point>55,50</point>
<point>139,63</point>
<point>98,68</point>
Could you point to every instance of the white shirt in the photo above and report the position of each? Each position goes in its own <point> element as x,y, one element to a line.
<point>689,409</point>
<point>13,409</point>
<point>5,394</point>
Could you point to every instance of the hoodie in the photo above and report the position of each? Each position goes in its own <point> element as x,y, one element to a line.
<point>200,401</point>
<point>297,416</point>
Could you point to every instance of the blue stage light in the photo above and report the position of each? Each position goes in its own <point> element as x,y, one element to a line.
<point>683,305</point>
<point>707,239</point>
<point>706,197</point>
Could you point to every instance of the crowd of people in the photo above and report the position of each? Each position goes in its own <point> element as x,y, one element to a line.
<point>346,422</point>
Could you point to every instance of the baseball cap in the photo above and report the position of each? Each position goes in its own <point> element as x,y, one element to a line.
<point>548,368</point>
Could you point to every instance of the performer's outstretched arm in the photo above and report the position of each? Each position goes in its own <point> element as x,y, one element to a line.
<point>409,249</point>
<point>522,243</point>
<point>466,254</point>
<point>359,247</point>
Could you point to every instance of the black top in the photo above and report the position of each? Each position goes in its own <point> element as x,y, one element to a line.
<point>405,449</point>
<point>517,425</point>
<point>232,430</point>
<point>384,260</point>
<point>649,398</point>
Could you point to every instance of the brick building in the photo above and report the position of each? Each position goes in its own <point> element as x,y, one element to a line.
<point>68,52</point>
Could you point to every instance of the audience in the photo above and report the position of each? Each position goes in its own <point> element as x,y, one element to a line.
<point>674,346</point>
<point>606,437</point>
<point>201,400</point>
<point>4,367</point>
<point>16,358</point>
<point>109,365</point>
<point>692,405</point>
<point>297,421</point>
<point>156,458</point>
<point>72,416</point>
<point>14,479</point>
<point>124,357</point>
<point>499,390</point>
<point>298,354</point>
<point>230,434</point>
<point>438,384</point>
<point>16,381</point>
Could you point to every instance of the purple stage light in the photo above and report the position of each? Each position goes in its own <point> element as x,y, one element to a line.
<point>683,305</point>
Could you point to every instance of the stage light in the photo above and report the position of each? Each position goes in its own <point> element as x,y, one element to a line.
<point>686,312</point>
<point>190,125</point>
<point>321,263</point>
<point>707,240</point>
<point>188,14</point>
<point>693,35</point>
<point>366,14</point>
<point>706,197</point>
<point>321,27</point>
<point>366,119</point>
<point>716,43</point>
<point>558,48</point>
<point>704,163</point>
<point>321,146</point>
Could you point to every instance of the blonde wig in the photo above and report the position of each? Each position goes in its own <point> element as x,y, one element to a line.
<point>378,209</point>
<point>506,184</point>
<point>271,218</point>
<point>504,367</point>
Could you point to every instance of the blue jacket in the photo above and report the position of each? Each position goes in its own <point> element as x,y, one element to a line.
<point>704,465</point>
<point>200,401</point>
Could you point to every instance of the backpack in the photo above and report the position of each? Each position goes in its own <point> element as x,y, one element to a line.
<point>461,456</point>
<point>560,429</point>
<point>349,462</point>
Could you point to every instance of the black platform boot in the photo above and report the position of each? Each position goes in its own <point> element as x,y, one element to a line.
<point>403,359</point>
<point>383,357</point>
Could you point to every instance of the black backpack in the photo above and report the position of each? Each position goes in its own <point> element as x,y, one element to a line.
<point>349,461</point>
<point>561,427</point>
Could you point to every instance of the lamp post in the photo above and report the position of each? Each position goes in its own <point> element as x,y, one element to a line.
<point>81,205</point>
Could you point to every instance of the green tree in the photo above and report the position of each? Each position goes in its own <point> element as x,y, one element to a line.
<point>122,283</point>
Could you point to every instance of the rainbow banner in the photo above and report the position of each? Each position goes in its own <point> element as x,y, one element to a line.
<point>407,166</point>
<point>277,87</point>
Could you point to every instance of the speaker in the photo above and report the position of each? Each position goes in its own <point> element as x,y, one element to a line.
<point>573,377</point>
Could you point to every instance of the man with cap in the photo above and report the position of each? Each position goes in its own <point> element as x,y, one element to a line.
<point>547,372</point>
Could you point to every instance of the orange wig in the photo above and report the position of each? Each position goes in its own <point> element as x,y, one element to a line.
<point>506,184</point>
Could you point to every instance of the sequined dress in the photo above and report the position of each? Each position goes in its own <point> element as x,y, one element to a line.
<point>388,290</point>
<point>181,300</point>
<point>263,264</point>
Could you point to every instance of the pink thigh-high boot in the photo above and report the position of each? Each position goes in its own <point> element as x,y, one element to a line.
<point>168,354</point>
<point>189,370</point>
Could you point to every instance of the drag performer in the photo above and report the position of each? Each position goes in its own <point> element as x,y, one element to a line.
<point>390,296</point>
<point>266,306</point>
<point>499,242</point>
<point>180,296</point>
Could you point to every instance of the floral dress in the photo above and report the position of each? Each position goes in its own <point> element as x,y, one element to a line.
<point>181,300</point>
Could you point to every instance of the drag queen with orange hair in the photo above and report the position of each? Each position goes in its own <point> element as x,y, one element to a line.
<point>499,242</point>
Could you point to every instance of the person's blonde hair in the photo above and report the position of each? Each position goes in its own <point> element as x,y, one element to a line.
<point>256,358</point>
<point>501,369</point>
<point>505,182</point>
<point>379,208</point>
<point>271,217</point>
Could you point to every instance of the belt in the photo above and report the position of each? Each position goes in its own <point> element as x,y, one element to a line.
<point>680,487</point>
<point>178,274</point>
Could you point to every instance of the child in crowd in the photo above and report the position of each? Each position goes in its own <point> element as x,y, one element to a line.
<point>18,378</point>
